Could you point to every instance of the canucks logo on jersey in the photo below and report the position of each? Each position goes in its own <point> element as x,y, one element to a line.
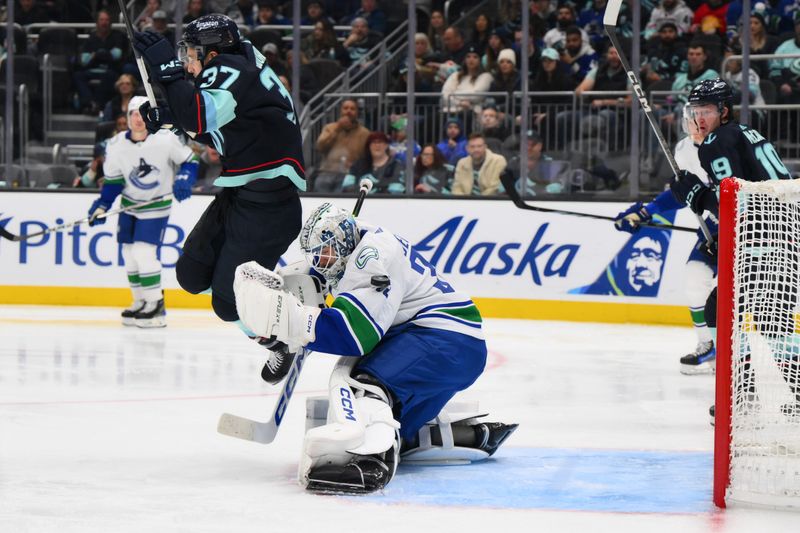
<point>144,171</point>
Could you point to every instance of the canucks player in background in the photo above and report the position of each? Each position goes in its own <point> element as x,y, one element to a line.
<point>730,149</point>
<point>410,341</point>
<point>232,100</point>
<point>141,167</point>
<point>701,267</point>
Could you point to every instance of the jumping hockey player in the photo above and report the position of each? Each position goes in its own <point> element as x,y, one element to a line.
<point>237,104</point>
<point>701,267</point>
<point>412,340</point>
<point>731,149</point>
<point>141,167</point>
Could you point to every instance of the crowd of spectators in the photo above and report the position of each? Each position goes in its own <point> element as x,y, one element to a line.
<point>474,137</point>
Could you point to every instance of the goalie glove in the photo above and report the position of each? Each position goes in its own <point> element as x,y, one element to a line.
<point>269,311</point>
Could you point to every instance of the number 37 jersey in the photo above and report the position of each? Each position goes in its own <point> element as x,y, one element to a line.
<point>742,152</point>
<point>362,312</point>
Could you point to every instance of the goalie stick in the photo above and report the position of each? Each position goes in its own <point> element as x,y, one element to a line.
<point>10,236</point>
<point>508,182</point>
<point>265,432</point>
<point>610,23</point>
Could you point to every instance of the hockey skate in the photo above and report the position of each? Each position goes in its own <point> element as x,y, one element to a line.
<point>701,361</point>
<point>152,315</point>
<point>129,314</point>
<point>279,362</point>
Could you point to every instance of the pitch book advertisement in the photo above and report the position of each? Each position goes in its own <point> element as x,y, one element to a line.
<point>503,256</point>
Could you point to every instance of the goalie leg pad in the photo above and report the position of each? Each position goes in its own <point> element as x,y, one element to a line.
<point>360,430</point>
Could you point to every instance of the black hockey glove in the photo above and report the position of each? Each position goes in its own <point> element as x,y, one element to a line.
<point>710,248</point>
<point>693,193</point>
<point>156,118</point>
<point>161,59</point>
<point>630,219</point>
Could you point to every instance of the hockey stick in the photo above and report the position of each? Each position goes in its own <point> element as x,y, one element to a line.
<point>508,182</point>
<point>148,89</point>
<point>265,432</point>
<point>610,23</point>
<point>10,236</point>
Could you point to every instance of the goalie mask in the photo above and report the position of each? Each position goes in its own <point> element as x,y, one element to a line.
<point>327,239</point>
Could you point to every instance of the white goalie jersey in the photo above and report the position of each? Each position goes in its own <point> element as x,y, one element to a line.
<point>146,169</point>
<point>365,306</point>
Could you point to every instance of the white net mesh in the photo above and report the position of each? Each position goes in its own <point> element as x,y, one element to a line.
<point>765,429</point>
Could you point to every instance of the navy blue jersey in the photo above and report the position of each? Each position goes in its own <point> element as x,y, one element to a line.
<point>238,105</point>
<point>736,150</point>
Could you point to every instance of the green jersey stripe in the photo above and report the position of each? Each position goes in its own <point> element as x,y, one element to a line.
<point>158,205</point>
<point>363,329</point>
<point>470,313</point>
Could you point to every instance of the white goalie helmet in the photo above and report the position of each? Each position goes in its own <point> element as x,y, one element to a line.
<point>327,239</point>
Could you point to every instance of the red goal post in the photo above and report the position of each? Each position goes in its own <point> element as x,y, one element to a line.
<point>757,427</point>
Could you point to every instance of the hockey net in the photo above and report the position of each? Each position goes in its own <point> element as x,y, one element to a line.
<point>757,429</point>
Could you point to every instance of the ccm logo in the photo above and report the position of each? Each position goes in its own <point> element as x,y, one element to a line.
<point>639,92</point>
<point>347,404</point>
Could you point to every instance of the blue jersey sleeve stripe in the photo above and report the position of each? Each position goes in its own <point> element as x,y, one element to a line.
<point>334,335</point>
<point>363,309</point>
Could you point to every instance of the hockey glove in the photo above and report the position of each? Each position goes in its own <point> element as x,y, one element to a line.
<point>690,191</point>
<point>181,189</point>
<point>709,248</point>
<point>98,208</point>
<point>630,219</point>
<point>156,118</point>
<point>163,63</point>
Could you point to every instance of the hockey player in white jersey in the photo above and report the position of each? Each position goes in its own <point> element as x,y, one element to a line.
<point>410,341</point>
<point>141,167</point>
<point>701,268</point>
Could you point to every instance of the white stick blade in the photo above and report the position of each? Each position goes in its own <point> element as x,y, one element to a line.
<point>245,429</point>
<point>612,12</point>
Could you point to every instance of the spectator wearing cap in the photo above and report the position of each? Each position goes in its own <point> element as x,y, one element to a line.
<point>397,137</point>
<point>550,77</point>
<point>379,165</point>
<point>373,14</point>
<point>432,173</point>
<point>579,57</point>
<point>273,56</point>
<point>565,17</point>
<point>674,10</point>
<point>91,176</point>
<point>665,56</point>
<point>506,79</point>
<point>461,90</point>
<point>543,177</point>
<point>783,72</point>
<point>268,15</point>
<point>340,144</point>
<point>479,172</point>
<point>159,25</point>
<point>361,40</point>
<point>454,145</point>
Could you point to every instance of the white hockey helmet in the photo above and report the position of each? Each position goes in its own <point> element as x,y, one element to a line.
<point>327,239</point>
<point>135,103</point>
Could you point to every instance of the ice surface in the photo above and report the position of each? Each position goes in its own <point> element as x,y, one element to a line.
<point>112,429</point>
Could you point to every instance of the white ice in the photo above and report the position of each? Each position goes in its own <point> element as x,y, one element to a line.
<point>112,429</point>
